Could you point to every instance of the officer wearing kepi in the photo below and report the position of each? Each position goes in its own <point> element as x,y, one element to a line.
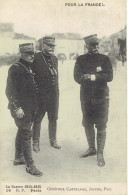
<point>92,71</point>
<point>21,91</point>
<point>45,67</point>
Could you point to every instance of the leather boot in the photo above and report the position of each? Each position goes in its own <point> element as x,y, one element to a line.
<point>52,134</point>
<point>100,160</point>
<point>31,169</point>
<point>89,152</point>
<point>19,161</point>
<point>90,134</point>
<point>36,146</point>
<point>101,137</point>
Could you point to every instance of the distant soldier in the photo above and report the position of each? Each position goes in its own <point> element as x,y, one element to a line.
<point>62,58</point>
<point>21,91</point>
<point>46,75</point>
<point>113,60</point>
<point>92,71</point>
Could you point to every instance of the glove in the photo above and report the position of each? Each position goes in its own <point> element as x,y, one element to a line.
<point>93,77</point>
<point>86,76</point>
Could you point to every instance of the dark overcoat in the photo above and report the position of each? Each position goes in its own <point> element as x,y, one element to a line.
<point>94,95</point>
<point>21,89</point>
<point>89,64</point>
<point>47,83</point>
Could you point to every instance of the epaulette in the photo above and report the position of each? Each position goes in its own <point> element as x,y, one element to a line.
<point>14,66</point>
<point>17,64</point>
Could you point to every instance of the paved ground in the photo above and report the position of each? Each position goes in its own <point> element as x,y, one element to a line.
<point>65,165</point>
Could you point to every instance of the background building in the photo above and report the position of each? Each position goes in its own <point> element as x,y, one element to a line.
<point>9,40</point>
<point>6,37</point>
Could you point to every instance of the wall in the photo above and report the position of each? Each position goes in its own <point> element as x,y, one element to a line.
<point>69,46</point>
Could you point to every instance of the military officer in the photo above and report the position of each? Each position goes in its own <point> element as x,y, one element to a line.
<point>45,66</point>
<point>21,91</point>
<point>92,71</point>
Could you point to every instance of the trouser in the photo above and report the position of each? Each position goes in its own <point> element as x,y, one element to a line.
<point>52,111</point>
<point>23,139</point>
<point>95,115</point>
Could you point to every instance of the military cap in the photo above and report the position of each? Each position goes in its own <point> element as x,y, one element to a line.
<point>49,40</point>
<point>26,48</point>
<point>92,39</point>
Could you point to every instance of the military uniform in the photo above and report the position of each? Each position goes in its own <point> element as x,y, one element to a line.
<point>21,91</point>
<point>94,95</point>
<point>45,68</point>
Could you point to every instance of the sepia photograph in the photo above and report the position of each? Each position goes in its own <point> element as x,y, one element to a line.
<point>63,97</point>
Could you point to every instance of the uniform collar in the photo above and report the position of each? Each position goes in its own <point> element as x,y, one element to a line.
<point>46,55</point>
<point>24,63</point>
<point>92,55</point>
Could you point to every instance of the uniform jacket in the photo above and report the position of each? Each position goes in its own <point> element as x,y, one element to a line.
<point>46,81</point>
<point>88,64</point>
<point>21,89</point>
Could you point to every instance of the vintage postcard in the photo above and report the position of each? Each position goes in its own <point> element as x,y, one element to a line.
<point>63,87</point>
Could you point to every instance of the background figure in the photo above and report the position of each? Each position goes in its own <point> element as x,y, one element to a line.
<point>113,60</point>
<point>21,92</point>
<point>92,71</point>
<point>46,75</point>
<point>122,50</point>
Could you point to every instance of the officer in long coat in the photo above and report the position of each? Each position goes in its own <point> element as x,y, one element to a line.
<point>21,91</point>
<point>92,71</point>
<point>45,66</point>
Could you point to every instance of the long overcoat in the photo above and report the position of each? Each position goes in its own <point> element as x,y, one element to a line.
<point>46,81</point>
<point>21,89</point>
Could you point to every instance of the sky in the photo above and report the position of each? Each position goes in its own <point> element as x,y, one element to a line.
<point>37,18</point>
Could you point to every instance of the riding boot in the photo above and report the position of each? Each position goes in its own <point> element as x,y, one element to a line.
<point>52,134</point>
<point>36,146</point>
<point>90,134</point>
<point>101,137</point>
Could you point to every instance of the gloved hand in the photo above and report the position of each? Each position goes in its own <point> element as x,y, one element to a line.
<point>93,77</point>
<point>86,76</point>
<point>19,113</point>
